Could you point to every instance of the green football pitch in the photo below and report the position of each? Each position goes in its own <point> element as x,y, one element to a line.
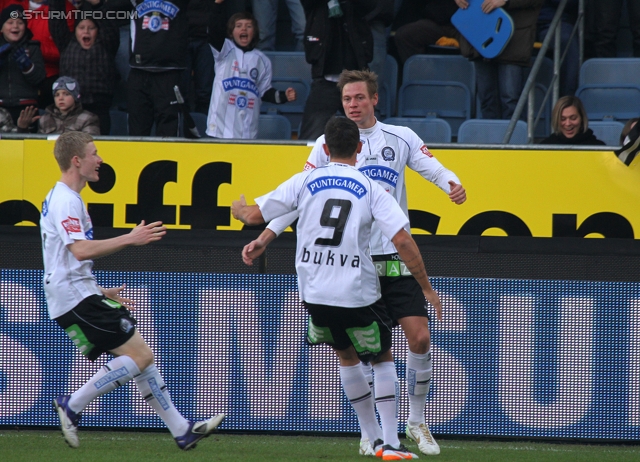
<point>97,446</point>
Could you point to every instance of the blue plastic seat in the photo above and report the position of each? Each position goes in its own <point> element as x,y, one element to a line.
<point>430,130</point>
<point>388,88</point>
<point>607,131</point>
<point>610,71</point>
<point>430,98</point>
<point>454,68</point>
<point>490,131</point>
<point>610,101</point>
<point>274,127</point>
<point>290,69</point>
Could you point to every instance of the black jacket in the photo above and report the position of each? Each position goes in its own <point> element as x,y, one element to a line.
<point>586,138</point>
<point>161,33</point>
<point>334,44</point>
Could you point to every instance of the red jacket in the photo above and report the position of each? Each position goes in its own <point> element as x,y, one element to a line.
<point>39,26</point>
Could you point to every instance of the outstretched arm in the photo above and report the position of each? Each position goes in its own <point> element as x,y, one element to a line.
<point>255,248</point>
<point>247,214</point>
<point>140,235</point>
<point>410,255</point>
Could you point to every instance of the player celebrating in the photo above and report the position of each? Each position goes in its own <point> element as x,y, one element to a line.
<point>95,318</point>
<point>337,205</point>
<point>387,150</point>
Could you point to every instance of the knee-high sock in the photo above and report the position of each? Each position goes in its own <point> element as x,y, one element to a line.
<point>418,381</point>
<point>386,389</point>
<point>359,394</point>
<point>368,375</point>
<point>116,372</point>
<point>155,392</point>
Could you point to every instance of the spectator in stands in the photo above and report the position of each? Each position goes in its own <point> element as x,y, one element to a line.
<point>571,66</point>
<point>39,25</point>
<point>626,129</point>
<point>607,19</point>
<point>66,114</point>
<point>200,65</point>
<point>88,56</point>
<point>21,63</point>
<point>337,38</point>
<point>6,122</point>
<point>570,124</point>
<point>243,77</point>
<point>500,80</point>
<point>379,19</point>
<point>266,13</point>
<point>158,59</point>
<point>433,23</point>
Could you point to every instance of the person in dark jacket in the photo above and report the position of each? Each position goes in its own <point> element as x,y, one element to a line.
<point>160,36</point>
<point>21,64</point>
<point>500,80</point>
<point>66,113</point>
<point>431,21</point>
<point>88,55</point>
<point>570,124</point>
<point>335,39</point>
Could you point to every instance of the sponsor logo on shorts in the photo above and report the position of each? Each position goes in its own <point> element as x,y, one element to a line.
<point>125,325</point>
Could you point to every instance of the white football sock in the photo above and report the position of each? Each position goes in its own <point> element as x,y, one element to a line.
<point>419,371</point>
<point>154,391</point>
<point>368,375</point>
<point>359,394</point>
<point>116,372</point>
<point>386,390</point>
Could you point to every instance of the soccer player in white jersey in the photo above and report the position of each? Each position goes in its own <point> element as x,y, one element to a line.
<point>337,279</point>
<point>243,79</point>
<point>97,319</point>
<point>386,151</point>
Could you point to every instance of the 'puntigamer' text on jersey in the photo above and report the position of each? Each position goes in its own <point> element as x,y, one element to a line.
<point>386,151</point>
<point>235,105</point>
<point>336,205</point>
<point>65,220</point>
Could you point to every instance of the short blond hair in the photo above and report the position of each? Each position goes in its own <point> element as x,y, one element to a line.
<point>68,145</point>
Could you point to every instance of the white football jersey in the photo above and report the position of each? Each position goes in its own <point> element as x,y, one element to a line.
<point>241,81</point>
<point>337,205</point>
<point>63,221</point>
<point>386,151</point>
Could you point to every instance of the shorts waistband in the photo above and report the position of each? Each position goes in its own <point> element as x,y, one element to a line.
<point>390,265</point>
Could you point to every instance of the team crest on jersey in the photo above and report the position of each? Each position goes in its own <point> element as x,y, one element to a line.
<point>157,14</point>
<point>253,73</point>
<point>425,151</point>
<point>154,23</point>
<point>388,154</point>
<point>71,225</point>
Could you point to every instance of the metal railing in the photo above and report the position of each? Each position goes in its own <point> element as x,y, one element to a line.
<point>559,55</point>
